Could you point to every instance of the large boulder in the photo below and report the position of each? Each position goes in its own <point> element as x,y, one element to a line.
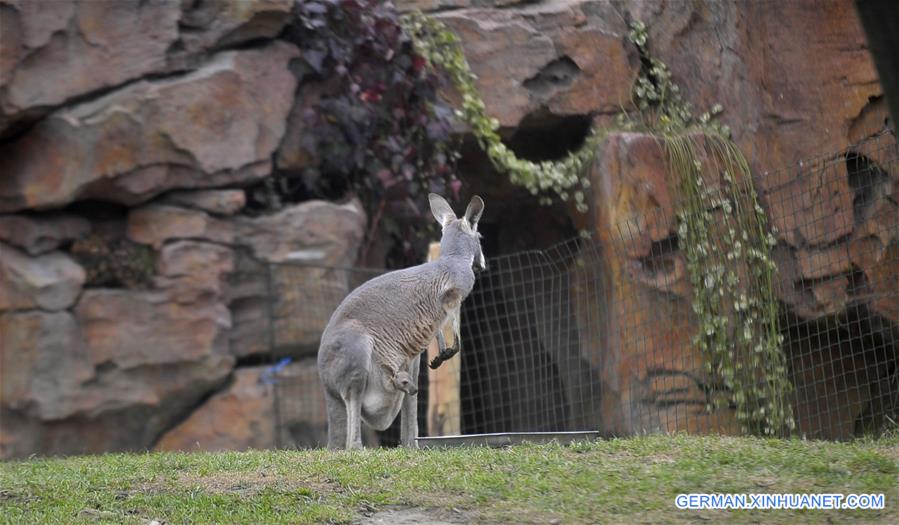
<point>44,362</point>
<point>221,202</point>
<point>247,413</point>
<point>215,126</point>
<point>567,58</point>
<point>314,231</point>
<point>302,241</point>
<point>651,375</point>
<point>239,417</point>
<point>124,368</point>
<point>212,25</point>
<point>50,282</point>
<point>63,50</point>
<point>134,328</point>
<point>42,233</point>
<point>572,58</point>
<point>118,410</point>
<point>155,224</point>
<point>56,51</point>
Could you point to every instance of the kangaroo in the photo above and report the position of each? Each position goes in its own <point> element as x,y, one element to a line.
<point>403,382</point>
<point>375,336</point>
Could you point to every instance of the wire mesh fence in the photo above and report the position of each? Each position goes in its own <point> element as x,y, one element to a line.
<point>600,333</point>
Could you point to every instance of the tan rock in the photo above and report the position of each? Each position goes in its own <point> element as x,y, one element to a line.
<point>815,264</point>
<point>546,54</point>
<point>883,280</point>
<point>222,202</point>
<point>117,410</point>
<point>43,363</point>
<point>194,271</point>
<point>304,424</point>
<point>157,135</point>
<point>633,205</point>
<point>313,232</point>
<point>242,415</point>
<point>239,417</point>
<point>51,281</point>
<point>56,51</point>
<point>138,328</point>
<point>41,233</point>
<point>155,224</point>
<point>219,24</point>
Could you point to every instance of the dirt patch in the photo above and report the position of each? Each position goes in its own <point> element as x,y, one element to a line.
<point>400,515</point>
<point>251,483</point>
<point>15,496</point>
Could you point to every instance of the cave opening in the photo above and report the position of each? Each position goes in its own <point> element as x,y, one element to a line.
<point>845,372</point>
<point>512,378</point>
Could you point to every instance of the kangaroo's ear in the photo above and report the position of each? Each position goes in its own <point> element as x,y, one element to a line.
<point>441,209</point>
<point>474,211</point>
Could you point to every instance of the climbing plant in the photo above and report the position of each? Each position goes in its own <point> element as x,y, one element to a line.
<point>379,129</point>
<point>441,47</point>
<point>722,229</point>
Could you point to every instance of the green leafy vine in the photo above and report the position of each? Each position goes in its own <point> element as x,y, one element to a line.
<point>441,47</point>
<point>722,229</point>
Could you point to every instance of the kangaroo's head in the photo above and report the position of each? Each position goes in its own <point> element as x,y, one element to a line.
<point>403,381</point>
<point>460,236</point>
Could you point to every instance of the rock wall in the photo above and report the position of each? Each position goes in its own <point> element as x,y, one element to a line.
<point>131,273</point>
<point>132,281</point>
<point>796,83</point>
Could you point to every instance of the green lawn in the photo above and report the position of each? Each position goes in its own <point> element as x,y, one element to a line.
<point>617,481</point>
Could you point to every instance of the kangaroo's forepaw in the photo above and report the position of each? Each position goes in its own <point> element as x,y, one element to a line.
<point>448,353</point>
<point>444,355</point>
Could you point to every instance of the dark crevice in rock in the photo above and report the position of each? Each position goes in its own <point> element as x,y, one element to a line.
<point>245,45</point>
<point>35,115</point>
<point>109,258</point>
<point>660,260</point>
<point>867,180</point>
<point>100,370</point>
<point>558,74</point>
<point>264,359</point>
<point>542,135</point>
<point>281,189</point>
<point>490,5</point>
<point>516,221</point>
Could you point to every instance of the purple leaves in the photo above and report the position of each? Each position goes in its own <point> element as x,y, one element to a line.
<point>382,131</point>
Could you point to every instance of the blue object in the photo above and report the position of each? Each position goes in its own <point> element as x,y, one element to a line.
<point>268,375</point>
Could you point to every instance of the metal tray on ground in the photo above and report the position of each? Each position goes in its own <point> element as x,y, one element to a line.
<point>505,439</point>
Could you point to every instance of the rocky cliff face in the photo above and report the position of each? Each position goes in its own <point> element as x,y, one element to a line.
<point>796,83</point>
<point>132,299</point>
<point>128,134</point>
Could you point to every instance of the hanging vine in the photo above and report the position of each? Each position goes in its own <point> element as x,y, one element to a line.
<point>441,47</point>
<point>722,229</point>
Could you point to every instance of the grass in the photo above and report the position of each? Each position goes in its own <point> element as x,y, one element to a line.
<point>630,480</point>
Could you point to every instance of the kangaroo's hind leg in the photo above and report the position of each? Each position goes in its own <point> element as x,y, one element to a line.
<point>344,367</point>
<point>354,420</point>
<point>358,354</point>
<point>337,422</point>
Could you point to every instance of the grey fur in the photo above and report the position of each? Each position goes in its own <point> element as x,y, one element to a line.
<point>403,382</point>
<point>381,328</point>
